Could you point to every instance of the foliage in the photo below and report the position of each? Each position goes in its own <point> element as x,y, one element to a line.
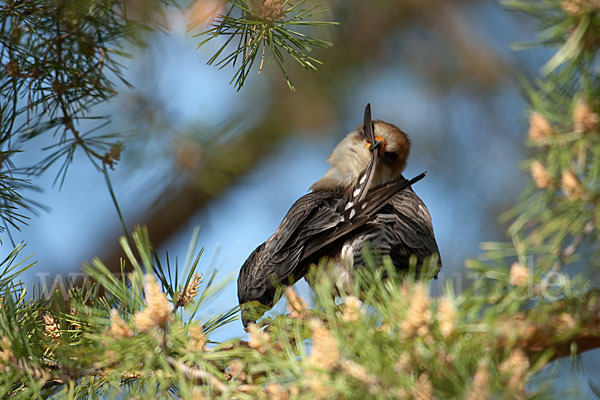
<point>60,59</point>
<point>276,25</point>
<point>145,333</point>
<point>557,218</point>
<point>133,335</point>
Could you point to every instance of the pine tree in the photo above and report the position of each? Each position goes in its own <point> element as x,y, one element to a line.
<point>138,334</point>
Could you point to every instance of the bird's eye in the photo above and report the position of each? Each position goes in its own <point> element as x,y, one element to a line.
<point>390,157</point>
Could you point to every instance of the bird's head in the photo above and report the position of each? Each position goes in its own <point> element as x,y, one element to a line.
<point>353,153</point>
<point>394,148</point>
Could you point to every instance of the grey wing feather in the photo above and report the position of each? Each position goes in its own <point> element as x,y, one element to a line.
<point>414,222</point>
<point>410,231</point>
<point>302,219</point>
<point>279,257</point>
<point>400,229</point>
<point>367,209</point>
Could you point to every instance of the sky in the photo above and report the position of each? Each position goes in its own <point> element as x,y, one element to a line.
<point>479,166</point>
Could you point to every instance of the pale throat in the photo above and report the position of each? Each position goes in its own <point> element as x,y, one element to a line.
<point>346,165</point>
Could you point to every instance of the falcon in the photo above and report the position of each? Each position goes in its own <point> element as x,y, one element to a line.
<point>362,200</point>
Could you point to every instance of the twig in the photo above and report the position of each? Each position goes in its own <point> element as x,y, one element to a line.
<point>249,42</point>
<point>262,59</point>
<point>571,248</point>
<point>52,383</point>
<point>568,252</point>
<point>67,118</point>
<point>116,204</point>
<point>197,374</point>
<point>537,337</point>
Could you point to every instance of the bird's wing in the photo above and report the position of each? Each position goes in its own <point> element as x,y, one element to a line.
<point>411,230</point>
<point>277,259</point>
<point>414,221</point>
<point>309,215</point>
<point>366,210</point>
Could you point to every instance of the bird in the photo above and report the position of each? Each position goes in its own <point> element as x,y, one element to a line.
<point>362,200</point>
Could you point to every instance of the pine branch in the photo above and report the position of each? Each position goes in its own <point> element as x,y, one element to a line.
<point>276,25</point>
<point>570,327</point>
<point>197,375</point>
<point>569,251</point>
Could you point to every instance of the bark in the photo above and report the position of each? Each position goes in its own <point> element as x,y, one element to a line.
<point>564,327</point>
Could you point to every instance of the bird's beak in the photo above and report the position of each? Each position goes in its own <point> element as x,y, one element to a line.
<point>368,132</point>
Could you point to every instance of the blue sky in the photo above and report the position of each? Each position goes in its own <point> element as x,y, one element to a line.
<point>478,165</point>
